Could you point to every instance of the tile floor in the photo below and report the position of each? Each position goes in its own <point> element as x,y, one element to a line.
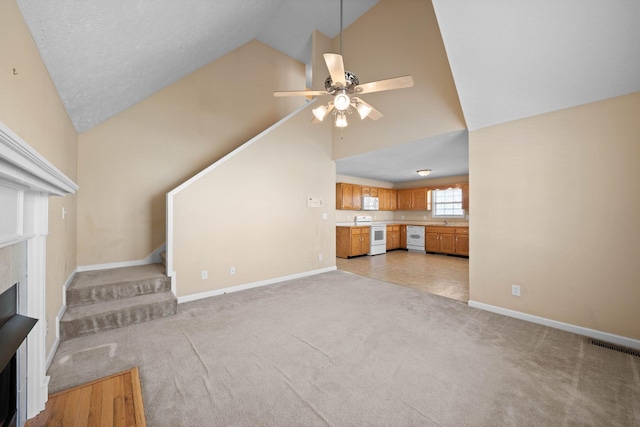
<point>443,275</point>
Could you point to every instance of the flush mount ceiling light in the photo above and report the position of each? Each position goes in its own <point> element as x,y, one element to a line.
<point>343,85</point>
<point>424,172</point>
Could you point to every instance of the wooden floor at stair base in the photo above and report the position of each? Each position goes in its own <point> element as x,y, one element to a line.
<point>112,401</point>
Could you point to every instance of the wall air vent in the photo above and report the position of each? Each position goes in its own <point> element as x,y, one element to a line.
<point>615,347</point>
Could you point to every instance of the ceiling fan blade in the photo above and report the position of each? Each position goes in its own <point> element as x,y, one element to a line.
<point>388,84</point>
<point>372,113</point>
<point>336,68</point>
<point>300,93</point>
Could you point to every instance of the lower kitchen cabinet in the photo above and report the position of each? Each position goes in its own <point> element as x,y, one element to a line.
<point>352,241</point>
<point>462,241</point>
<point>393,237</point>
<point>403,236</point>
<point>447,240</point>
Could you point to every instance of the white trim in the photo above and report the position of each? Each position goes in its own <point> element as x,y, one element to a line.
<point>24,166</point>
<point>568,327</point>
<point>152,258</point>
<point>246,286</point>
<point>172,193</point>
<point>56,342</point>
<point>63,309</point>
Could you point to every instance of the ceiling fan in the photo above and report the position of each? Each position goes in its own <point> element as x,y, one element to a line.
<point>345,88</point>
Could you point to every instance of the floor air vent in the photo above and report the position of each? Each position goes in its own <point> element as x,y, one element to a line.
<point>615,347</point>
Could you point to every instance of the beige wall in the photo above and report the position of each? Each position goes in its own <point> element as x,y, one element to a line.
<point>129,163</point>
<point>397,38</point>
<point>250,212</point>
<point>556,210</point>
<point>30,106</point>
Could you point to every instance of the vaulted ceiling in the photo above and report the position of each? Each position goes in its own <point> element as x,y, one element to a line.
<point>509,60</point>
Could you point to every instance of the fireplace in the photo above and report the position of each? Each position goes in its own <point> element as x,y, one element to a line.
<point>8,394</point>
<point>27,180</point>
<point>14,329</point>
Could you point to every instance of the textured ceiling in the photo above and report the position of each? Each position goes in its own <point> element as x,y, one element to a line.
<point>105,56</point>
<point>509,59</point>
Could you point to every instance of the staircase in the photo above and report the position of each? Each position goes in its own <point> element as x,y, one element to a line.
<point>108,299</point>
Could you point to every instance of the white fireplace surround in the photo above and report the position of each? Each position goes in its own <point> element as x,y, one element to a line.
<point>26,181</point>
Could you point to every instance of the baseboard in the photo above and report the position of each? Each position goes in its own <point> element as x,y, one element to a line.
<point>152,258</point>
<point>568,327</point>
<point>56,343</point>
<point>246,286</point>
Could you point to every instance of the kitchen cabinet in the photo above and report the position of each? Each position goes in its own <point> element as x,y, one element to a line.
<point>384,198</point>
<point>440,239</point>
<point>352,241</point>
<point>414,199</point>
<point>462,241</point>
<point>393,237</point>
<point>348,196</point>
<point>465,196</point>
<point>370,191</point>
<point>393,200</point>
<point>447,240</point>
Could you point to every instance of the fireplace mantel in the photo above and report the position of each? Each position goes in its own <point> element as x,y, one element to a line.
<point>27,180</point>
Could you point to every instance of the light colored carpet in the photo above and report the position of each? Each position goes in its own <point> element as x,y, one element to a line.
<point>102,300</point>
<point>344,350</point>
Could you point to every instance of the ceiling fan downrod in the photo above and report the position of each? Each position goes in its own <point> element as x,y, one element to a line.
<point>341,27</point>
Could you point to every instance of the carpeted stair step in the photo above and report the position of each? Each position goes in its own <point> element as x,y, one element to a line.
<point>103,316</point>
<point>163,257</point>
<point>107,285</point>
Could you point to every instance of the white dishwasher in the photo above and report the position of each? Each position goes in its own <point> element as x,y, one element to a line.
<point>415,238</point>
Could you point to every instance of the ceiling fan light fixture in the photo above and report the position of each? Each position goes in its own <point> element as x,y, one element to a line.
<point>341,101</point>
<point>320,112</point>
<point>341,120</point>
<point>424,172</point>
<point>363,110</point>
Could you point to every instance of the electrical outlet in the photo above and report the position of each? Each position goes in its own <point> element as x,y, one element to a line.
<point>324,215</point>
<point>205,274</point>
<point>232,270</point>
<point>515,290</point>
<point>319,257</point>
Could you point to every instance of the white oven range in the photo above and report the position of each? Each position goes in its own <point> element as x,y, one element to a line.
<point>377,236</point>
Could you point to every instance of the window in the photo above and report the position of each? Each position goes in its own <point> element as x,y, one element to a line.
<point>447,203</point>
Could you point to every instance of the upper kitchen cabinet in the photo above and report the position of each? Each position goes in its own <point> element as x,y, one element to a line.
<point>465,196</point>
<point>348,196</point>
<point>370,191</point>
<point>387,198</point>
<point>414,199</point>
